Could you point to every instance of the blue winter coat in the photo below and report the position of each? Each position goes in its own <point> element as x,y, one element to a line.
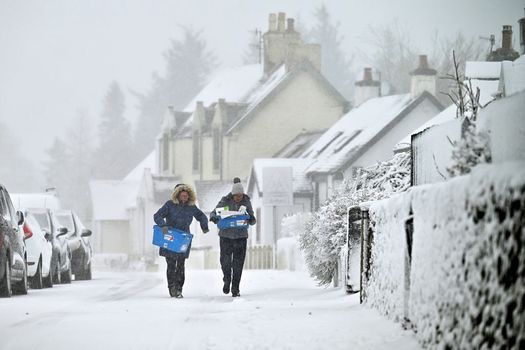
<point>179,216</point>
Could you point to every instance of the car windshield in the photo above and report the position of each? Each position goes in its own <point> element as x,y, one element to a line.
<point>43,220</point>
<point>66,220</point>
<point>33,224</point>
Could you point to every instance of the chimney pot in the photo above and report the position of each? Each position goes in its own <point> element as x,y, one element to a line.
<point>522,34</point>
<point>280,21</point>
<point>423,61</point>
<point>272,22</point>
<point>367,74</point>
<point>506,34</point>
<point>290,27</point>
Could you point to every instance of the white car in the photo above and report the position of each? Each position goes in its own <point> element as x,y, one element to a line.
<point>39,252</point>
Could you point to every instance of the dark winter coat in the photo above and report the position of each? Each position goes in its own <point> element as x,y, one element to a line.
<point>178,215</point>
<point>227,201</point>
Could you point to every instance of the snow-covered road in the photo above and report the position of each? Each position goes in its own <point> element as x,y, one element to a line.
<point>277,310</point>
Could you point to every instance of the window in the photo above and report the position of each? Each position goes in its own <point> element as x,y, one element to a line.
<point>216,149</point>
<point>331,141</point>
<point>165,152</point>
<point>345,141</point>
<point>196,151</point>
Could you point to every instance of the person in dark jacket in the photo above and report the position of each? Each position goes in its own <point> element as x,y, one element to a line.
<point>233,240</point>
<point>178,213</point>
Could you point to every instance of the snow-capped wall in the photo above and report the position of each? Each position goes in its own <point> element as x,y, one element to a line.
<point>467,273</point>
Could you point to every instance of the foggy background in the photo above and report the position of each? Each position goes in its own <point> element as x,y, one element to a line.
<point>65,64</point>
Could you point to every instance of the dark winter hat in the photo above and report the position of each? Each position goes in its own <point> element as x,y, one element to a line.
<point>237,186</point>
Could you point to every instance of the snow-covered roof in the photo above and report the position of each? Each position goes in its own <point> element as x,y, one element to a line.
<point>35,200</point>
<point>482,70</point>
<point>513,76</point>
<point>247,88</point>
<point>138,171</point>
<point>299,144</point>
<point>209,193</point>
<point>254,97</point>
<point>232,84</point>
<point>353,131</point>
<point>111,198</point>
<point>488,89</point>
<point>299,178</point>
<point>444,116</point>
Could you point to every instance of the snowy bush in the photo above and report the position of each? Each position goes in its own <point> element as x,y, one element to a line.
<point>325,232</point>
<point>474,146</point>
<point>289,255</point>
<point>472,149</point>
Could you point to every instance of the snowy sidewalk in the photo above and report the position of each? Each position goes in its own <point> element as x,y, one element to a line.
<point>277,310</point>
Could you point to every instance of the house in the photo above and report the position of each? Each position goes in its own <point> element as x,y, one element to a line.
<point>368,133</point>
<point>268,228</point>
<point>431,144</point>
<point>251,111</point>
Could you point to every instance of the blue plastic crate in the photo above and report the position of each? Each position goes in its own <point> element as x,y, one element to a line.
<point>234,221</point>
<point>175,240</point>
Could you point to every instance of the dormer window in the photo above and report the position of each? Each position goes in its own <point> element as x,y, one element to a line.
<point>196,150</point>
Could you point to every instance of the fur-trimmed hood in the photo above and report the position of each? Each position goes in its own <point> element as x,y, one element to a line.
<point>192,197</point>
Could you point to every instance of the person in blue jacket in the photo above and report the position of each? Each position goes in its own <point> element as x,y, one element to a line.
<point>178,213</point>
<point>233,240</point>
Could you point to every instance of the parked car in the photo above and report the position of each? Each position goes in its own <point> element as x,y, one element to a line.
<point>78,242</point>
<point>39,252</point>
<point>61,256</point>
<point>13,258</point>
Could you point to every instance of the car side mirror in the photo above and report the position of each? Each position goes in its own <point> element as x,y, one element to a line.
<point>20,217</point>
<point>62,231</point>
<point>85,233</point>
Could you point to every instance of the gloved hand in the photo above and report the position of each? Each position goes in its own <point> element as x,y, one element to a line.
<point>164,229</point>
<point>215,219</point>
<point>252,221</point>
<point>205,231</point>
<point>242,209</point>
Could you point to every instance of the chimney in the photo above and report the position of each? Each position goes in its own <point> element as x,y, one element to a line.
<point>522,35</point>
<point>423,78</point>
<point>290,27</point>
<point>506,37</point>
<point>272,22</point>
<point>367,88</point>
<point>280,21</point>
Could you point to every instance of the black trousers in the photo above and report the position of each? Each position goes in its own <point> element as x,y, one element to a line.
<point>175,272</point>
<point>233,252</point>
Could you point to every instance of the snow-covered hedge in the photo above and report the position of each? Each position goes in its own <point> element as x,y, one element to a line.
<point>467,280</point>
<point>385,285</point>
<point>325,232</point>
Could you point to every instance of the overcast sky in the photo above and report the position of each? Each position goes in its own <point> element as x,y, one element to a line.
<point>58,57</point>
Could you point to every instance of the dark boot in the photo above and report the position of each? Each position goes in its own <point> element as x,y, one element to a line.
<point>178,294</point>
<point>226,288</point>
<point>173,291</point>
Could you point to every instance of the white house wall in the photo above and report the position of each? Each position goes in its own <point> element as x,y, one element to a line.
<point>183,159</point>
<point>302,104</point>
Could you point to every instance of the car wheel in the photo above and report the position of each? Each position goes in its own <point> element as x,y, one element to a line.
<point>87,272</point>
<point>67,275</point>
<point>22,286</point>
<point>57,277</point>
<point>5,283</point>
<point>36,281</point>
<point>48,281</point>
